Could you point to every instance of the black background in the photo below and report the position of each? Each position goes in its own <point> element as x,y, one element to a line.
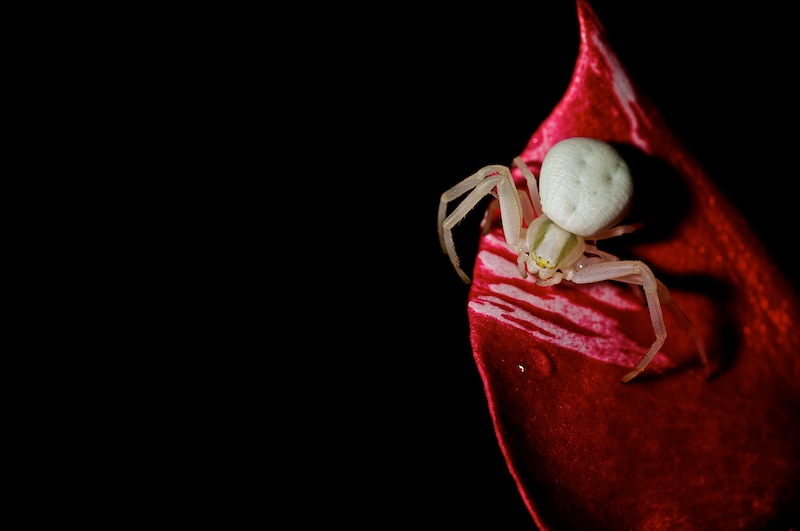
<point>349,394</point>
<point>434,95</point>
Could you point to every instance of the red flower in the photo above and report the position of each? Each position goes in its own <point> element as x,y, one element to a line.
<point>670,449</point>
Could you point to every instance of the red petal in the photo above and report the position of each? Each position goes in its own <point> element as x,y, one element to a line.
<point>669,449</point>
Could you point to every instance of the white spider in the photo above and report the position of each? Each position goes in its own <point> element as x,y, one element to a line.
<point>585,188</point>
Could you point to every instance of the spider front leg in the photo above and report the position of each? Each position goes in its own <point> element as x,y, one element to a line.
<point>531,203</point>
<point>533,185</point>
<point>527,211</point>
<point>636,272</point>
<point>479,185</point>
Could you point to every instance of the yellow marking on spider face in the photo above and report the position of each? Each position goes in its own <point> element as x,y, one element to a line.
<point>543,263</point>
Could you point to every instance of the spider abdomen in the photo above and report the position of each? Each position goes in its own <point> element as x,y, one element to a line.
<point>585,185</point>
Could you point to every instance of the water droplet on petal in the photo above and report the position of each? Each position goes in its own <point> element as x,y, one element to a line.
<point>540,365</point>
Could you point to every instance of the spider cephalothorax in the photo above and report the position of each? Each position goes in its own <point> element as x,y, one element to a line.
<point>584,190</point>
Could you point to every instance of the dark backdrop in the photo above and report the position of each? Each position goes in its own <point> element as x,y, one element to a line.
<point>436,95</point>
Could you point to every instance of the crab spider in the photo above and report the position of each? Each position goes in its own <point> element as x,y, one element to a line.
<point>585,188</point>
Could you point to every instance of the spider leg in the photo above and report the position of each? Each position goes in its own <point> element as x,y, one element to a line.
<point>458,190</point>
<point>479,185</point>
<point>606,257</point>
<point>656,293</point>
<point>686,324</point>
<point>524,203</point>
<point>528,211</point>
<point>486,223</point>
<point>619,230</point>
<point>533,185</point>
<point>602,256</point>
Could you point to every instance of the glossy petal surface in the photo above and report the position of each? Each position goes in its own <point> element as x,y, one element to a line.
<point>668,450</point>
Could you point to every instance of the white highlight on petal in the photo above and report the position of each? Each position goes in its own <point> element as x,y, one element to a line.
<point>580,315</point>
<point>624,92</point>
<point>602,341</point>
<point>498,265</point>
